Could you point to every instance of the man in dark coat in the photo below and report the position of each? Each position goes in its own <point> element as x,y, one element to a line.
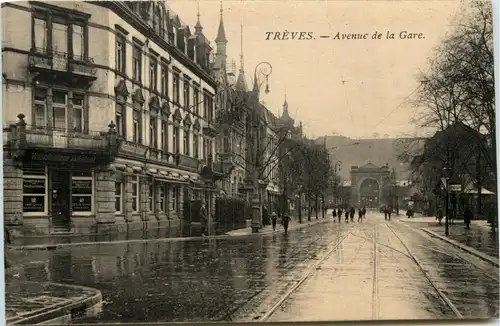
<point>467,217</point>
<point>204,219</point>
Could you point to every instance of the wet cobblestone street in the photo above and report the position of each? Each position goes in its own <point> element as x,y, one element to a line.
<point>364,272</point>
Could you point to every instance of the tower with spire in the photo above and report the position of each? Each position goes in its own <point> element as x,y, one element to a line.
<point>241,83</point>
<point>221,40</point>
<point>285,118</point>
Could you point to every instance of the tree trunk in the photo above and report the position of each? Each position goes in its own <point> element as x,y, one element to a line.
<point>323,205</point>
<point>309,208</point>
<point>316,205</point>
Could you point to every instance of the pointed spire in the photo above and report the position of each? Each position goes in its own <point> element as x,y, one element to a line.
<point>221,34</point>
<point>241,50</point>
<point>198,28</point>
<point>241,84</point>
<point>285,105</point>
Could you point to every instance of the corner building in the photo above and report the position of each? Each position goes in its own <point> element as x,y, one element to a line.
<point>108,114</point>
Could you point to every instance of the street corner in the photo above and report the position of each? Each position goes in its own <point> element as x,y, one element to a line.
<point>46,302</point>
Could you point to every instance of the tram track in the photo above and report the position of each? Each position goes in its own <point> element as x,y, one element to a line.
<point>443,296</point>
<point>306,275</point>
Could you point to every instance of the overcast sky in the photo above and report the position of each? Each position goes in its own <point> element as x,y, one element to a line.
<point>350,87</point>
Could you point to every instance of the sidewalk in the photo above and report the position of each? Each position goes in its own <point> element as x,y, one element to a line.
<point>478,237</point>
<point>294,225</point>
<point>46,302</point>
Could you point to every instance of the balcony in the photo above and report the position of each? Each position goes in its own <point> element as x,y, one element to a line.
<point>209,128</point>
<point>61,66</point>
<point>189,162</point>
<point>62,145</point>
<point>132,149</point>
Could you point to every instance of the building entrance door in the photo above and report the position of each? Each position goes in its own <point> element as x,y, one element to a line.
<point>61,200</point>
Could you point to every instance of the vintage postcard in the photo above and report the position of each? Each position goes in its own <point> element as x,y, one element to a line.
<point>248,161</point>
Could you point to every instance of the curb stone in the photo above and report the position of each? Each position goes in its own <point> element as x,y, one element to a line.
<point>179,239</point>
<point>65,312</point>
<point>488,258</point>
<point>281,230</point>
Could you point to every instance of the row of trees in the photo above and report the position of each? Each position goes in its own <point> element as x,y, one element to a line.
<point>311,172</point>
<point>456,102</point>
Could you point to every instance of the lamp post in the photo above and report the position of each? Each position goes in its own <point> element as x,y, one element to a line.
<point>447,175</point>
<point>256,200</point>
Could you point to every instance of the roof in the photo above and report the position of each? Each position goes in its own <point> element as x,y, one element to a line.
<point>369,165</point>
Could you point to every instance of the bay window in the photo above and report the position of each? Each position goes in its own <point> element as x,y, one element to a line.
<point>82,193</point>
<point>135,193</point>
<point>34,191</point>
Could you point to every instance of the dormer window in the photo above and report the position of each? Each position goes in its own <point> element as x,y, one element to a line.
<point>157,25</point>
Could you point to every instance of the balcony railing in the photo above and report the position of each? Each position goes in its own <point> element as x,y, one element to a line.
<point>189,162</point>
<point>158,155</point>
<point>43,137</point>
<point>133,148</point>
<point>62,62</point>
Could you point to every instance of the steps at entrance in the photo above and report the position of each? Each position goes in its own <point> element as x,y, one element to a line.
<point>61,228</point>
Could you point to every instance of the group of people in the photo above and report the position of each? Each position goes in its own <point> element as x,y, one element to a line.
<point>349,213</point>
<point>451,216</point>
<point>273,219</point>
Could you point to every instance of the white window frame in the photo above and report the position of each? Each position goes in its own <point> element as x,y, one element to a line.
<point>79,108</point>
<point>120,196</point>
<point>46,195</point>
<point>134,180</point>
<point>82,54</point>
<point>60,105</point>
<point>44,103</point>
<point>92,196</point>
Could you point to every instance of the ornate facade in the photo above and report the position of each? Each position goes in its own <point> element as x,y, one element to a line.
<point>108,116</point>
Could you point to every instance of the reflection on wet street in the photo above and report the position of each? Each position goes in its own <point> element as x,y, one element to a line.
<point>369,275</point>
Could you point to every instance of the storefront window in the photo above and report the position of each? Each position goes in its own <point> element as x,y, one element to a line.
<point>82,192</point>
<point>34,191</point>
<point>118,197</point>
<point>135,194</point>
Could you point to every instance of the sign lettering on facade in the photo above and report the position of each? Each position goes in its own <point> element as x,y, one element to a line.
<point>45,157</point>
<point>33,204</point>
<point>81,203</point>
<point>34,186</point>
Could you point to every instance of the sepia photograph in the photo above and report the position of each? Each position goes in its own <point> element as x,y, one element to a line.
<point>194,161</point>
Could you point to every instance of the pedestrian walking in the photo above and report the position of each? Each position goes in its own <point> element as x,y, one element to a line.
<point>389,211</point>
<point>364,212</point>
<point>265,216</point>
<point>385,212</point>
<point>347,216</point>
<point>351,213</point>
<point>467,217</point>
<point>204,219</point>
<point>360,215</point>
<point>439,215</point>
<point>274,219</point>
<point>334,214</point>
<point>285,220</point>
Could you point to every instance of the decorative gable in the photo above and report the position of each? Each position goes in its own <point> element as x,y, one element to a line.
<point>121,89</point>
<point>138,97</point>
<point>154,103</point>
<point>165,109</point>
<point>196,125</point>
<point>177,115</point>
<point>187,120</point>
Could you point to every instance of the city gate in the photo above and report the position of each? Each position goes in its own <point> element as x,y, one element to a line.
<point>367,184</point>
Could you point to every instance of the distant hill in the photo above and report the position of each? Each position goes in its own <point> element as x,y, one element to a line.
<point>352,152</point>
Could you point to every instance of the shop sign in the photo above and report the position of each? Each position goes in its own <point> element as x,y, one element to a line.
<point>34,186</point>
<point>81,204</point>
<point>81,187</point>
<point>33,204</point>
<point>63,158</point>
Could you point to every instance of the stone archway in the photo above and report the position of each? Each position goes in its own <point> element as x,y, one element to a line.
<point>369,192</point>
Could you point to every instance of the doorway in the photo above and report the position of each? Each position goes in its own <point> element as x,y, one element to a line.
<point>60,200</point>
